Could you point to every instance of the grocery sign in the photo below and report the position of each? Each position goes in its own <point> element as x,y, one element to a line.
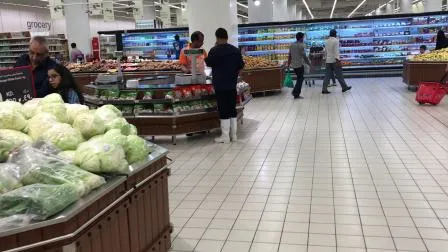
<point>17,84</point>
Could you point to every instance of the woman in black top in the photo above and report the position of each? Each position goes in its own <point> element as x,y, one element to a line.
<point>441,41</point>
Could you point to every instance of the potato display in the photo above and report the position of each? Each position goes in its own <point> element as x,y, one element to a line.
<point>111,65</point>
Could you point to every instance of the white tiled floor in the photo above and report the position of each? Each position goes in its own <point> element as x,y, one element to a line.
<point>362,171</point>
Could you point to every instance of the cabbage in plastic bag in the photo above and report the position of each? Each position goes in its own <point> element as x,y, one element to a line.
<point>89,125</point>
<point>5,148</point>
<point>63,136</point>
<point>10,139</point>
<point>73,110</point>
<point>10,119</point>
<point>52,98</point>
<point>67,155</point>
<point>136,149</point>
<point>56,109</point>
<point>39,124</point>
<point>30,108</point>
<point>9,177</point>
<point>108,112</point>
<point>38,200</point>
<point>121,124</point>
<point>101,157</point>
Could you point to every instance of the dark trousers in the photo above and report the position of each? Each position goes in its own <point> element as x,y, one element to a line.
<point>298,87</point>
<point>226,103</point>
<point>333,69</point>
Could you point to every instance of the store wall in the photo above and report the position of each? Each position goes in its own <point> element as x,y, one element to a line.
<point>14,19</point>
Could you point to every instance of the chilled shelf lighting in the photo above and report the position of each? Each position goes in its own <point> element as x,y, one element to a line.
<point>308,8</point>
<point>357,7</point>
<point>332,10</point>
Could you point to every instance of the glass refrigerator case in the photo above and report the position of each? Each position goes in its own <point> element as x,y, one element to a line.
<point>366,43</point>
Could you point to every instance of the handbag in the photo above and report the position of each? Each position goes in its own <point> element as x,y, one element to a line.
<point>288,82</point>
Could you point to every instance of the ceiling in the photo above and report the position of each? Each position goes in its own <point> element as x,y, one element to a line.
<point>319,8</point>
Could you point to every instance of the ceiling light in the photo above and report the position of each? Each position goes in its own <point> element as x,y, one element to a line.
<point>242,5</point>
<point>357,7</point>
<point>332,10</point>
<point>308,8</point>
<point>257,3</point>
<point>241,15</point>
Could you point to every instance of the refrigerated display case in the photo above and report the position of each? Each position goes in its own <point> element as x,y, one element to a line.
<point>367,42</point>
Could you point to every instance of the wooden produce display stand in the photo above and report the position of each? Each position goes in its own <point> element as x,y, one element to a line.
<point>265,79</point>
<point>415,72</point>
<point>128,214</point>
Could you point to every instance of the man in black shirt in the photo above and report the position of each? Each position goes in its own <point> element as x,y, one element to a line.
<point>226,62</point>
<point>38,59</point>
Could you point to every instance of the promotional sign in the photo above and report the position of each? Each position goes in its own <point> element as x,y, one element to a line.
<point>138,9</point>
<point>38,26</point>
<point>108,11</point>
<point>165,14</point>
<point>56,9</point>
<point>95,7</point>
<point>17,84</point>
<point>144,24</point>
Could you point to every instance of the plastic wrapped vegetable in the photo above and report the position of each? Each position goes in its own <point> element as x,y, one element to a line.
<point>89,124</point>
<point>10,119</point>
<point>101,157</point>
<point>39,124</point>
<point>56,109</point>
<point>39,200</point>
<point>63,136</point>
<point>51,98</point>
<point>67,155</point>
<point>121,124</point>
<point>136,149</point>
<point>73,110</point>
<point>9,177</point>
<point>30,108</point>
<point>10,139</point>
<point>108,112</point>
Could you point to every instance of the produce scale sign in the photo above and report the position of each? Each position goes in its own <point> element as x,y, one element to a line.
<point>17,84</point>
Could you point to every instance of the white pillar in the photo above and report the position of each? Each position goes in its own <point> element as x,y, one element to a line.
<point>77,24</point>
<point>208,21</point>
<point>292,9</point>
<point>389,9</point>
<point>406,6</point>
<point>261,13</point>
<point>433,5</point>
<point>280,10</point>
<point>300,14</point>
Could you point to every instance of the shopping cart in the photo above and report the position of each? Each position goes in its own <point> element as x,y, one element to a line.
<point>317,68</point>
<point>432,92</point>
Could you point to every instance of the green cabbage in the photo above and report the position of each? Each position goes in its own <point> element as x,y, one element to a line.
<point>67,155</point>
<point>30,108</point>
<point>63,136</point>
<point>89,125</point>
<point>113,136</point>
<point>133,130</point>
<point>101,157</point>
<point>5,148</point>
<point>10,139</point>
<point>120,124</point>
<point>17,107</point>
<point>38,200</point>
<point>9,177</point>
<point>39,124</point>
<point>108,112</point>
<point>56,109</point>
<point>51,98</point>
<point>73,110</point>
<point>136,149</point>
<point>9,119</point>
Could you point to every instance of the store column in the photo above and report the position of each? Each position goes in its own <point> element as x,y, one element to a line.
<point>433,5</point>
<point>260,11</point>
<point>280,10</point>
<point>406,6</point>
<point>77,24</point>
<point>200,19</point>
<point>389,8</point>
<point>292,10</point>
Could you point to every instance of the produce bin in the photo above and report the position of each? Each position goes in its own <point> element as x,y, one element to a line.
<point>264,80</point>
<point>129,213</point>
<point>415,72</point>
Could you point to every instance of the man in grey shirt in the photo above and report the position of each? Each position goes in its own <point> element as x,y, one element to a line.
<point>297,59</point>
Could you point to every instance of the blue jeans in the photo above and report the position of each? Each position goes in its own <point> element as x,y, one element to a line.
<point>333,69</point>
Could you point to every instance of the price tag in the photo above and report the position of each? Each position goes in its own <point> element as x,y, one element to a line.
<point>17,84</point>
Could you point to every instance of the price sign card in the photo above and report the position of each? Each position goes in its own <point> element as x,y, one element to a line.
<point>17,84</point>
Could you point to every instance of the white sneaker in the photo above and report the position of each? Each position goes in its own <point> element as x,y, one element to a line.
<point>225,132</point>
<point>233,129</point>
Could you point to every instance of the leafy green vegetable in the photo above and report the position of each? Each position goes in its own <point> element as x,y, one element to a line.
<point>133,130</point>
<point>113,136</point>
<point>5,148</point>
<point>9,177</point>
<point>108,112</point>
<point>39,200</point>
<point>10,139</point>
<point>101,157</point>
<point>10,119</point>
<point>52,98</point>
<point>89,125</point>
<point>56,109</point>
<point>67,155</point>
<point>39,124</point>
<point>121,124</point>
<point>136,149</point>
<point>73,110</point>
<point>63,136</point>
<point>30,107</point>
<point>17,107</point>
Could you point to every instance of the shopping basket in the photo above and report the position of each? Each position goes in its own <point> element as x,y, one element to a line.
<point>431,92</point>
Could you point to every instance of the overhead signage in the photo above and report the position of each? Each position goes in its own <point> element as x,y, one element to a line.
<point>56,9</point>
<point>38,26</point>
<point>95,7</point>
<point>138,9</point>
<point>108,11</point>
<point>165,14</point>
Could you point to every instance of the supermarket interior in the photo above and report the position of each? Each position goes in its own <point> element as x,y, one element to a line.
<point>223,125</point>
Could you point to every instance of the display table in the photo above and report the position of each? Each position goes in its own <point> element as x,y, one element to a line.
<point>129,213</point>
<point>264,80</point>
<point>415,72</point>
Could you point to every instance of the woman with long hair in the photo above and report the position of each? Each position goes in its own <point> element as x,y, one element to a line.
<point>441,41</point>
<point>62,82</point>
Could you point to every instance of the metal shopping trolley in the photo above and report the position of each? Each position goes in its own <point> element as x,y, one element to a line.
<point>317,69</point>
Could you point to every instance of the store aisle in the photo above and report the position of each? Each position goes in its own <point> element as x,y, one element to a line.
<point>363,171</point>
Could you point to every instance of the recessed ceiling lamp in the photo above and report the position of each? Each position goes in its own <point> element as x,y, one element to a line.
<point>257,2</point>
<point>357,7</point>
<point>308,8</point>
<point>334,6</point>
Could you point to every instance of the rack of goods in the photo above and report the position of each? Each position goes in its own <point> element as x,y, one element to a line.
<point>108,46</point>
<point>166,109</point>
<point>262,74</point>
<point>425,67</point>
<point>367,43</point>
<point>74,179</point>
<point>153,44</point>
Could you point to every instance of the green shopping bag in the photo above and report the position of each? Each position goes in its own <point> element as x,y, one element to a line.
<point>288,82</point>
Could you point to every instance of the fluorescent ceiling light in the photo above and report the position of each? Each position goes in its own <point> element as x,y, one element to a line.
<point>357,7</point>
<point>242,5</point>
<point>257,3</point>
<point>241,15</point>
<point>308,8</point>
<point>170,5</point>
<point>334,6</point>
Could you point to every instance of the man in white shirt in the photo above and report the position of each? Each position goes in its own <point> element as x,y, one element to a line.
<point>297,60</point>
<point>333,63</point>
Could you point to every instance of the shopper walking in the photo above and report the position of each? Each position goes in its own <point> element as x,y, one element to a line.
<point>297,59</point>
<point>226,62</point>
<point>62,82</point>
<point>197,40</point>
<point>441,41</point>
<point>76,54</point>
<point>177,46</point>
<point>38,59</point>
<point>333,63</point>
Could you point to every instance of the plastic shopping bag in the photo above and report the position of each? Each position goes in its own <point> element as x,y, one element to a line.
<point>288,82</point>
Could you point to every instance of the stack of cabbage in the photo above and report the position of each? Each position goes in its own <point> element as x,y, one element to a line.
<point>99,141</point>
